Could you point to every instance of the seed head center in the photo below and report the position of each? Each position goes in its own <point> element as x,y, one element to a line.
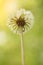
<point>20,22</point>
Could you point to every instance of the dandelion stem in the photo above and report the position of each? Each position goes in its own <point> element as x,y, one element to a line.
<point>22,48</point>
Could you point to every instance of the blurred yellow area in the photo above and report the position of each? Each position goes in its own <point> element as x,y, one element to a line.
<point>6,8</point>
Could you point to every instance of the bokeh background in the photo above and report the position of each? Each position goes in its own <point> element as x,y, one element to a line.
<point>10,50</point>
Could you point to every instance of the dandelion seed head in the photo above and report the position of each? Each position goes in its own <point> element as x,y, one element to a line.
<point>23,20</point>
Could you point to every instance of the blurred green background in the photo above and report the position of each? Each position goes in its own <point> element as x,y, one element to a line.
<point>10,50</point>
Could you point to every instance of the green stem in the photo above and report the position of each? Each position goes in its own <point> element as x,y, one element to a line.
<point>22,48</point>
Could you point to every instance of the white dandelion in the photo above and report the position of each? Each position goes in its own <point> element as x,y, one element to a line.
<point>20,23</point>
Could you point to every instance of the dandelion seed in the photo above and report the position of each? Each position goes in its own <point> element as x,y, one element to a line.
<point>22,22</point>
<point>22,19</point>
